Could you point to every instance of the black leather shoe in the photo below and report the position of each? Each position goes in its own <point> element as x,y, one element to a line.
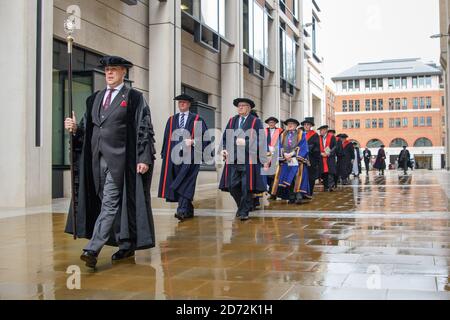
<point>122,254</point>
<point>90,257</point>
<point>244,217</point>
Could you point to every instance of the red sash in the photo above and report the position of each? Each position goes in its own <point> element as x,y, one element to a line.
<point>322,150</point>
<point>310,134</point>
<point>345,143</point>
<point>276,136</point>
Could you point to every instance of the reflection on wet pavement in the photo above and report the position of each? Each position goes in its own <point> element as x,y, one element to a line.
<point>215,256</point>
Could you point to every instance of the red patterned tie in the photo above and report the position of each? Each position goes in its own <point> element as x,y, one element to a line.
<point>108,99</point>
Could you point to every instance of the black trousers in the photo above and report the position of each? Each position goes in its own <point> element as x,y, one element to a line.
<point>367,166</point>
<point>240,191</point>
<point>328,180</point>
<point>185,206</point>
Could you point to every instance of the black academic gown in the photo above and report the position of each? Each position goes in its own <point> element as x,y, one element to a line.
<point>339,156</point>
<point>404,159</point>
<point>331,159</point>
<point>380,162</point>
<point>358,158</point>
<point>345,166</point>
<point>135,144</point>
<point>256,182</point>
<point>314,154</point>
<point>180,179</point>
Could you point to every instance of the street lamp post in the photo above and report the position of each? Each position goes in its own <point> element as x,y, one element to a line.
<point>69,28</point>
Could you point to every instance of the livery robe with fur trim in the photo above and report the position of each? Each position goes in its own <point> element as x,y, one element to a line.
<point>127,139</point>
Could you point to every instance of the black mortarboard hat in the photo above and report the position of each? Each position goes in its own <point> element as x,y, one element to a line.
<point>271,119</point>
<point>249,101</point>
<point>184,97</point>
<point>355,143</point>
<point>323,127</point>
<point>110,61</point>
<point>342,135</point>
<point>308,120</point>
<point>382,146</point>
<point>332,130</point>
<point>292,120</point>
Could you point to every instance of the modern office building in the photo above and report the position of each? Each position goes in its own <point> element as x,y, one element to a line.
<point>444,22</point>
<point>215,50</point>
<point>395,103</point>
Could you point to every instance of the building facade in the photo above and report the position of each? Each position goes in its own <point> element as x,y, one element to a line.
<point>330,101</point>
<point>444,22</point>
<point>215,50</point>
<point>394,103</point>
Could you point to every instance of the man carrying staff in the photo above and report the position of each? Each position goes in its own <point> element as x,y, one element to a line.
<point>272,133</point>
<point>291,179</point>
<point>181,154</point>
<point>114,157</point>
<point>328,162</point>
<point>245,153</point>
<point>313,140</point>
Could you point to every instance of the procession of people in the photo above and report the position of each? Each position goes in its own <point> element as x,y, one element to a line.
<point>114,156</point>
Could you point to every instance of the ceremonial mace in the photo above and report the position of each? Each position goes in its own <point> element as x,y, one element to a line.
<point>69,28</point>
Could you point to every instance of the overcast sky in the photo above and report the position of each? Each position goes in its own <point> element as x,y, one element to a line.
<point>356,31</point>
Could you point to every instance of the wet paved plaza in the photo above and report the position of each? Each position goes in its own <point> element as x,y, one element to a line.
<point>379,238</point>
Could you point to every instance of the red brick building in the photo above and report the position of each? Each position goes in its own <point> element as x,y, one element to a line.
<point>395,103</point>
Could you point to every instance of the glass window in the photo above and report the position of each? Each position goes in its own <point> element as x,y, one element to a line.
<point>391,122</point>
<point>367,123</point>
<point>357,106</point>
<point>422,103</point>
<point>344,124</point>
<point>374,105</point>
<point>374,143</point>
<point>397,104</point>
<point>288,58</point>
<point>256,32</point>
<point>210,14</point>
<point>391,104</point>
<point>344,85</point>
<point>398,122</point>
<point>421,81</point>
<point>422,121</point>
<point>391,83</point>
<point>423,142</point>
<point>404,104</point>
<point>350,84</point>
<point>380,104</point>
<point>415,103</point>
<point>416,122</point>
<point>357,124</point>
<point>405,122</point>
<point>350,124</point>
<point>374,84</point>
<point>414,81</point>
<point>398,143</point>
<point>367,83</point>
<point>350,106</point>
<point>367,105</point>
<point>380,123</point>
<point>428,103</point>
<point>428,81</point>
<point>374,123</point>
<point>344,106</point>
<point>429,121</point>
<point>357,84</point>
<point>397,82</point>
<point>380,83</point>
<point>404,82</point>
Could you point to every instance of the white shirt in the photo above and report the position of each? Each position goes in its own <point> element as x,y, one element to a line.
<point>186,115</point>
<point>114,93</point>
<point>272,132</point>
